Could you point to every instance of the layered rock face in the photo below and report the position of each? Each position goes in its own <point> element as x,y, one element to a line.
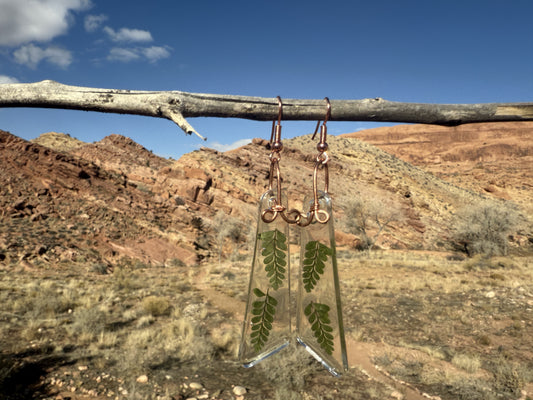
<point>65,200</point>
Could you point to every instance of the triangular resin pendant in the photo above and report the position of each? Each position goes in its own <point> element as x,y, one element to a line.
<point>267,323</point>
<point>319,325</point>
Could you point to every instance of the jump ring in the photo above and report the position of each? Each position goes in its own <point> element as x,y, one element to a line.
<point>265,213</point>
<point>323,220</point>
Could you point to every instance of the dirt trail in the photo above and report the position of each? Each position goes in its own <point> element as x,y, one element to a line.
<point>359,354</point>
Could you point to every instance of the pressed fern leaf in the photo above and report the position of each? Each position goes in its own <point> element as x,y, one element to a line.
<point>316,254</point>
<point>274,252</point>
<point>263,311</point>
<point>318,316</point>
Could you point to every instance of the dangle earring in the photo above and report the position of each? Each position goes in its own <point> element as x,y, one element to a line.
<point>267,323</point>
<point>319,325</point>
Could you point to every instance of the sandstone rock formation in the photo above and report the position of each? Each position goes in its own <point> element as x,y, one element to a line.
<point>114,201</point>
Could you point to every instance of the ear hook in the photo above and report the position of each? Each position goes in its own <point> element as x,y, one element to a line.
<point>277,128</point>
<point>271,213</point>
<point>328,115</point>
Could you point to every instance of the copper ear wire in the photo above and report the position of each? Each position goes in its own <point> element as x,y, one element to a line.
<point>276,147</point>
<point>328,115</point>
<point>270,214</point>
<point>294,216</point>
<point>275,135</point>
<point>322,158</point>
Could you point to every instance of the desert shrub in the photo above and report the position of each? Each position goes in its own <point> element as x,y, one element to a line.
<point>32,331</point>
<point>510,377</point>
<point>368,217</point>
<point>289,369</point>
<point>89,321</point>
<point>226,340</point>
<point>227,227</point>
<point>107,340</point>
<point>484,340</point>
<point>99,268</point>
<point>45,302</point>
<point>176,262</point>
<point>155,345</point>
<point>156,306</point>
<point>467,363</point>
<point>126,280</point>
<point>484,228</point>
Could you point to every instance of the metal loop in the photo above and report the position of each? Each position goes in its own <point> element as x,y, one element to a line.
<point>287,217</point>
<point>318,213</point>
<point>315,212</point>
<point>308,219</point>
<point>274,167</point>
<point>318,163</point>
<point>269,211</point>
<point>322,158</point>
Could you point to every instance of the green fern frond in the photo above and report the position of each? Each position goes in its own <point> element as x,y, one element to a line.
<point>263,311</point>
<point>316,254</point>
<point>318,316</point>
<point>274,252</point>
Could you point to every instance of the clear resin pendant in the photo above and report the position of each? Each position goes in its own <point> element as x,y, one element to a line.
<point>319,325</point>
<point>267,323</point>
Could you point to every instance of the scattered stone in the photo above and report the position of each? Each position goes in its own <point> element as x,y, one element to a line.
<point>490,295</point>
<point>396,395</point>
<point>239,390</point>
<point>196,386</point>
<point>142,379</point>
<point>82,367</point>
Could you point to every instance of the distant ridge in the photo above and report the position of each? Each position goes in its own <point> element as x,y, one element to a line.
<point>58,141</point>
<point>491,158</point>
<point>112,201</point>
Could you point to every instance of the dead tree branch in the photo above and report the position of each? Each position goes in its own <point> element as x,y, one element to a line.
<point>177,106</point>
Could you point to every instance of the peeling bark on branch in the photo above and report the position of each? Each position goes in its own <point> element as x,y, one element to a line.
<point>177,105</point>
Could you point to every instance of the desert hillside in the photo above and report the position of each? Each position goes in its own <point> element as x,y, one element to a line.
<point>124,275</point>
<point>491,158</point>
<point>113,200</point>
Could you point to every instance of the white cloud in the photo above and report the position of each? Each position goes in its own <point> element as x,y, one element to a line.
<point>127,54</point>
<point>123,55</point>
<point>128,35</point>
<point>32,55</point>
<point>7,79</point>
<point>155,53</point>
<point>93,22</point>
<point>228,147</point>
<point>36,20</point>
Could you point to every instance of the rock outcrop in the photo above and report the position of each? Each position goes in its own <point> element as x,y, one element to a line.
<point>113,200</point>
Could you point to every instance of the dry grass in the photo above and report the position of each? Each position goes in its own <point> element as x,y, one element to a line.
<point>459,329</point>
<point>156,306</point>
<point>446,320</point>
<point>468,363</point>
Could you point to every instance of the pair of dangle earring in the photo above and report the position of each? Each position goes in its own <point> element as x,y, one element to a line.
<point>267,323</point>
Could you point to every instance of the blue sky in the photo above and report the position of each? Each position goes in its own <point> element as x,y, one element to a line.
<point>449,51</point>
